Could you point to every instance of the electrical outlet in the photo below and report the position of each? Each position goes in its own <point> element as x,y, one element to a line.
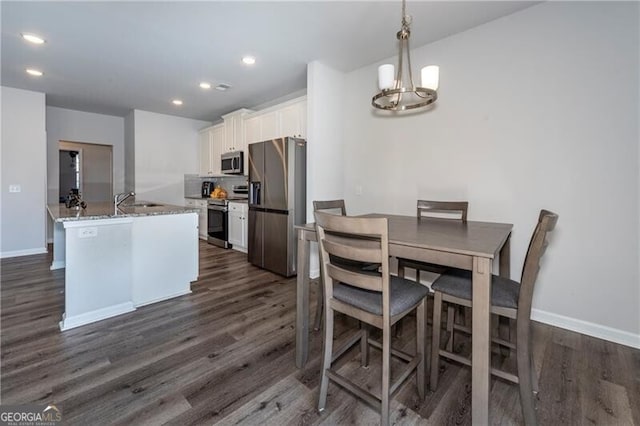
<point>14,188</point>
<point>88,232</point>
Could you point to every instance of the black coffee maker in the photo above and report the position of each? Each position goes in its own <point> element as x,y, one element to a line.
<point>207,189</point>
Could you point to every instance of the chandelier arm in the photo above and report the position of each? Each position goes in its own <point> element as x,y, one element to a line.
<point>413,86</point>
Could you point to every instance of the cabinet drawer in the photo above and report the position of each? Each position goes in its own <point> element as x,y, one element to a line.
<point>188,202</point>
<point>237,207</point>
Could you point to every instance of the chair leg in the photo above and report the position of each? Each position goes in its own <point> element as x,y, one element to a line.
<point>435,340</point>
<point>534,378</point>
<point>317,322</point>
<point>421,347</point>
<point>364,345</point>
<point>386,373</point>
<point>450,318</point>
<point>327,351</point>
<point>397,327</point>
<point>523,350</point>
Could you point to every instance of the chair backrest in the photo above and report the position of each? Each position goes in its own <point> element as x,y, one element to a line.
<point>443,209</point>
<point>330,205</point>
<point>355,239</point>
<point>537,246</point>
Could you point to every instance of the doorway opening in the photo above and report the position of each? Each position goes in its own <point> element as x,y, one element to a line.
<point>86,169</point>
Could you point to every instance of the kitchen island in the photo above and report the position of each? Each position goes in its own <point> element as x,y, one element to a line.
<point>116,260</point>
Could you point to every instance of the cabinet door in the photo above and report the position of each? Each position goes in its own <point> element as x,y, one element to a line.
<point>252,130</point>
<point>292,120</point>
<point>270,126</point>
<point>235,228</point>
<point>202,217</point>
<point>205,153</point>
<point>217,147</point>
<point>230,134</point>
<point>245,228</point>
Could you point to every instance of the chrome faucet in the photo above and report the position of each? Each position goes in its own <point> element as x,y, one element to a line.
<point>119,198</point>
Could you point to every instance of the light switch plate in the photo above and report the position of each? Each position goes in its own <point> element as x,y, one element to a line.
<point>358,189</point>
<point>15,188</point>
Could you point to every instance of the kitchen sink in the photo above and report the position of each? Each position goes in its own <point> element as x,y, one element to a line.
<point>145,205</point>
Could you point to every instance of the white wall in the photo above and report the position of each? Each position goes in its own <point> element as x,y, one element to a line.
<point>88,127</point>
<point>325,140</point>
<point>23,159</point>
<point>324,134</point>
<point>166,148</point>
<point>538,109</point>
<point>129,152</point>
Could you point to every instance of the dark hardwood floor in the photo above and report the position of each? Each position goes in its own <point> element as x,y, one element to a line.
<point>225,353</point>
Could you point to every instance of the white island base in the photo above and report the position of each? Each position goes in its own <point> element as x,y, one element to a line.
<point>117,264</point>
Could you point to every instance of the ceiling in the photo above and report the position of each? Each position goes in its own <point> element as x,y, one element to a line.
<point>111,57</point>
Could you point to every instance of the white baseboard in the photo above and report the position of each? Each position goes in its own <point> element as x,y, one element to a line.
<point>57,264</point>
<point>97,315</point>
<point>588,328</point>
<point>27,252</point>
<point>160,299</point>
<point>314,273</point>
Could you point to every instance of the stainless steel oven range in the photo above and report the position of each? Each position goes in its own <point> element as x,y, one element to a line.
<point>218,218</point>
<point>218,223</point>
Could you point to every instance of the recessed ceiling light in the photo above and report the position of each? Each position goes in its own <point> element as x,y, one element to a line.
<point>205,85</point>
<point>177,102</point>
<point>249,60</point>
<point>32,38</point>
<point>34,72</point>
<point>222,87</point>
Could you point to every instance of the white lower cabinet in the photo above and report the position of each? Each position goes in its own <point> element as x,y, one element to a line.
<point>238,226</point>
<point>201,205</point>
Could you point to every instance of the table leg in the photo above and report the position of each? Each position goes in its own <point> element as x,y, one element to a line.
<point>302,300</point>
<point>504,323</point>
<point>481,341</point>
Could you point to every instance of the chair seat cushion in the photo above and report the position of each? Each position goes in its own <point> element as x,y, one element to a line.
<point>457,283</point>
<point>404,295</point>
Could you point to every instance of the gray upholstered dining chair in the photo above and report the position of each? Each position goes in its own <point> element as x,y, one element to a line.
<point>374,297</point>
<point>336,207</point>
<point>509,299</point>
<point>449,210</point>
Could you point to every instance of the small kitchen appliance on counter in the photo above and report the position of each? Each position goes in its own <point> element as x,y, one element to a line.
<point>207,189</point>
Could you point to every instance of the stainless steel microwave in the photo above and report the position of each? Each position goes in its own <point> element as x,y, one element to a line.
<point>232,163</point>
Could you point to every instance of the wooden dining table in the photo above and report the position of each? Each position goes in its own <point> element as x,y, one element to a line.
<point>467,245</point>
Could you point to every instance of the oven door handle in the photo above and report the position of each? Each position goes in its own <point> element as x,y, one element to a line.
<point>218,208</point>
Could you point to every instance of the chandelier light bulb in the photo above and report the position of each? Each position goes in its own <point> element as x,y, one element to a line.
<point>431,77</point>
<point>386,76</point>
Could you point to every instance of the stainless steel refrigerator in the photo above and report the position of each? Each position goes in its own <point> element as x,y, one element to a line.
<point>277,202</point>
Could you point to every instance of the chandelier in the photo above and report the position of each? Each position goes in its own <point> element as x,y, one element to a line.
<point>396,94</point>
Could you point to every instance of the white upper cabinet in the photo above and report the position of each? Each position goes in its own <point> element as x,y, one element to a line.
<point>293,120</point>
<point>287,119</point>
<point>217,143</point>
<point>234,130</point>
<point>205,152</point>
<point>270,126</point>
<point>253,129</point>
<point>211,140</point>
<point>243,127</point>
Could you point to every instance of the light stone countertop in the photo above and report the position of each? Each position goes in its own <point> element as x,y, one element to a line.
<point>106,210</point>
